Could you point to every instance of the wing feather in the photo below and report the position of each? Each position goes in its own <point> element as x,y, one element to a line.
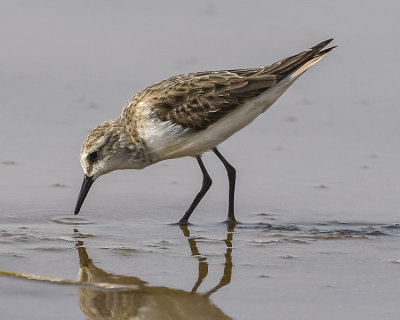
<point>197,100</point>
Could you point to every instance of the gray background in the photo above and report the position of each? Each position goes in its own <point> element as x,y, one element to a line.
<point>328,151</point>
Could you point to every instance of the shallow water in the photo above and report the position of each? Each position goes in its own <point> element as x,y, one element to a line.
<point>108,269</point>
<point>317,186</point>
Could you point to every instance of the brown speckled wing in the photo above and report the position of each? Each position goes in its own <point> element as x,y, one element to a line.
<point>197,100</point>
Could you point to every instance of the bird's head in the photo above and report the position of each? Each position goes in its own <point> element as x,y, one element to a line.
<point>107,148</point>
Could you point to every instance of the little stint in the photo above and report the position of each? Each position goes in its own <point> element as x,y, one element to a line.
<point>187,115</point>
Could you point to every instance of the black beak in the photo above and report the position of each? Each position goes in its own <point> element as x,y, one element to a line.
<point>86,184</point>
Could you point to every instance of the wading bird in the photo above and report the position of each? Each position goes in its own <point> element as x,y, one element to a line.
<point>187,115</point>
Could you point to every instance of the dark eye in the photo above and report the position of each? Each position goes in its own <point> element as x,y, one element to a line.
<point>92,156</point>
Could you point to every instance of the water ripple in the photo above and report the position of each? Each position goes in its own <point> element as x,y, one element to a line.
<point>328,230</point>
<point>71,220</point>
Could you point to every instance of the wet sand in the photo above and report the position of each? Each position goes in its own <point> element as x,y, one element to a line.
<point>118,270</point>
<point>317,187</point>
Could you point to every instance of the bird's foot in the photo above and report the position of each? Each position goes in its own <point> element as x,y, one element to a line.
<point>183,222</point>
<point>231,222</point>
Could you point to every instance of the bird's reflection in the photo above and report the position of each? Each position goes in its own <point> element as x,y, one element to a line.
<point>126,297</point>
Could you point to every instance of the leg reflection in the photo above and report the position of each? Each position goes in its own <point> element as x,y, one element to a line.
<point>203,265</point>
<point>105,295</point>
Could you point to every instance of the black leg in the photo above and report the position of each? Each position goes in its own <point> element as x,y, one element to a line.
<point>204,188</point>
<point>231,171</point>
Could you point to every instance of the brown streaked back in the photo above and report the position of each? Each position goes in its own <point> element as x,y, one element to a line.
<point>197,100</point>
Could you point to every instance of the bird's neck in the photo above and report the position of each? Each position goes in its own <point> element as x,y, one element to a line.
<point>133,149</point>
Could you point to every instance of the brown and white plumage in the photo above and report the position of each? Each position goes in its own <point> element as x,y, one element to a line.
<point>187,115</point>
<point>197,100</point>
